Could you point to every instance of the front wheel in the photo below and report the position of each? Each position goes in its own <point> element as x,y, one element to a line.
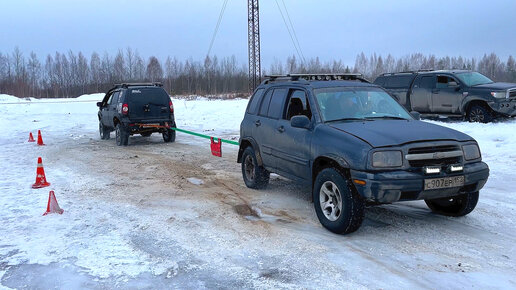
<point>255,176</point>
<point>455,206</point>
<point>169,135</point>
<point>104,133</point>
<point>479,114</point>
<point>121,135</point>
<point>339,210</point>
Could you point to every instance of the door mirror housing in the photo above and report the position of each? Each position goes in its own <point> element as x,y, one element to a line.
<point>416,115</point>
<point>99,104</point>
<point>300,121</point>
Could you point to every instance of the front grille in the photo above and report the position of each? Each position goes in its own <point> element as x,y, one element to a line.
<point>434,161</point>
<point>512,94</point>
<point>433,149</point>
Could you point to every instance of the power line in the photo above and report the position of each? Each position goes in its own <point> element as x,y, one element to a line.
<point>221,14</point>
<point>293,30</point>
<point>289,32</point>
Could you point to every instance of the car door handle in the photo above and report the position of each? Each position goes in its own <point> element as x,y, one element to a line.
<point>258,123</point>
<point>281,129</point>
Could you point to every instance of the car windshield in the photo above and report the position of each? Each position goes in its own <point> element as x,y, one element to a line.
<point>474,79</point>
<point>343,103</point>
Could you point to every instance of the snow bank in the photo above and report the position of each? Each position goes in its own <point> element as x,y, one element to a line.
<point>9,99</point>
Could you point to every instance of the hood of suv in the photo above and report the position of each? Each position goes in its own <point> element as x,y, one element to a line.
<point>380,133</point>
<point>496,86</point>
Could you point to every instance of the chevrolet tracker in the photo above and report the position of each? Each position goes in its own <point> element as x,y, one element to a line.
<point>355,145</point>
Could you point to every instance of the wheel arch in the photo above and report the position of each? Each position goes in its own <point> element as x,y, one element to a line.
<point>246,142</point>
<point>327,161</point>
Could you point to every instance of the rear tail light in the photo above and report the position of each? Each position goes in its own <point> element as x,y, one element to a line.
<point>125,109</point>
<point>171,106</point>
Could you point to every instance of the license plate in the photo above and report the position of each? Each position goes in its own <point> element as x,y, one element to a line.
<point>445,182</point>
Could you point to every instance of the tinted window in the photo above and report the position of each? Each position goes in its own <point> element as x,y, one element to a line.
<point>276,104</point>
<point>442,81</point>
<point>427,82</point>
<point>380,81</point>
<point>114,99</point>
<point>401,81</point>
<point>142,96</point>
<point>255,100</point>
<point>297,105</point>
<point>265,103</point>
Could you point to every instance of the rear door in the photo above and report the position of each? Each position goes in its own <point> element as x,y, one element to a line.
<point>421,95</point>
<point>111,108</point>
<point>148,104</point>
<point>446,96</point>
<point>292,145</point>
<point>265,124</point>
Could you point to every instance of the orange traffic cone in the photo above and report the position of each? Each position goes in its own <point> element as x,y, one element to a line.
<point>40,140</point>
<point>53,206</point>
<point>41,180</point>
<point>31,138</point>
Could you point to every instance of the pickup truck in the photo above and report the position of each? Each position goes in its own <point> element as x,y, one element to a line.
<point>459,93</point>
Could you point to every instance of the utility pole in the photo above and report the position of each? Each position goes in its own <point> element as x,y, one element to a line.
<point>253,28</point>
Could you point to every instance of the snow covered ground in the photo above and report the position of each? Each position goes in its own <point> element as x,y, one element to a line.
<point>156,215</point>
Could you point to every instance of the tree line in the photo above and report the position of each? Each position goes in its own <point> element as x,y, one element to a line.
<point>72,74</point>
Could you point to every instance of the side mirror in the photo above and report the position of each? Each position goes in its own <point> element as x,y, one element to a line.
<point>416,115</point>
<point>99,104</point>
<point>300,121</point>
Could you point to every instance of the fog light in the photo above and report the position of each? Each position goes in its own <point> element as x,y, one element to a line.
<point>455,168</point>
<point>432,170</point>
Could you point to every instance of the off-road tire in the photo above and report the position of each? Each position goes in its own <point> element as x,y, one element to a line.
<point>104,133</point>
<point>169,135</point>
<point>121,135</point>
<point>352,205</point>
<point>480,114</point>
<point>255,176</point>
<point>455,206</point>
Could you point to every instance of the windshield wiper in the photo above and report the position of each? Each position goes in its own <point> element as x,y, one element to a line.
<point>388,117</point>
<point>350,119</point>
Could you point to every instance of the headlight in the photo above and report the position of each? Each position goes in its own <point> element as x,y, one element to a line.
<point>387,159</point>
<point>471,152</point>
<point>499,95</point>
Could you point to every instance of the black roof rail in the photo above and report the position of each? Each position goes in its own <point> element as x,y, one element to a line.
<point>317,77</point>
<point>407,72</point>
<point>126,85</point>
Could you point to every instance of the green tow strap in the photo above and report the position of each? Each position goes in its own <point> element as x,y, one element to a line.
<point>205,136</point>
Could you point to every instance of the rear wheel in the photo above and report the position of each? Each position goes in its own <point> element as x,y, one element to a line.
<point>255,176</point>
<point>456,206</point>
<point>104,133</point>
<point>121,135</point>
<point>337,207</point>
<point>169,135</point>
<point>480,114</point>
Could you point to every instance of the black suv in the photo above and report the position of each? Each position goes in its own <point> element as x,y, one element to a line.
<point>136,108</point>
<point>355,145</point>
<point>460,93</point>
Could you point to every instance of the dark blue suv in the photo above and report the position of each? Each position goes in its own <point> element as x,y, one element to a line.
<point>355,145</point>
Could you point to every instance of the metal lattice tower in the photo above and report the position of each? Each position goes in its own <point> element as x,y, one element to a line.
<point>253,28</point>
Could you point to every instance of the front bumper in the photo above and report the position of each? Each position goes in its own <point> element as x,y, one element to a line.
<point>392,186</point>
<point>505,107</point>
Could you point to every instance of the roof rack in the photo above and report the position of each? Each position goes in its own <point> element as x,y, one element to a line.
<point>317,77</point>
<point>126,85</point>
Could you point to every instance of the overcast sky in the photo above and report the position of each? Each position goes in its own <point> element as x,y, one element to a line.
<point>330,29</point>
